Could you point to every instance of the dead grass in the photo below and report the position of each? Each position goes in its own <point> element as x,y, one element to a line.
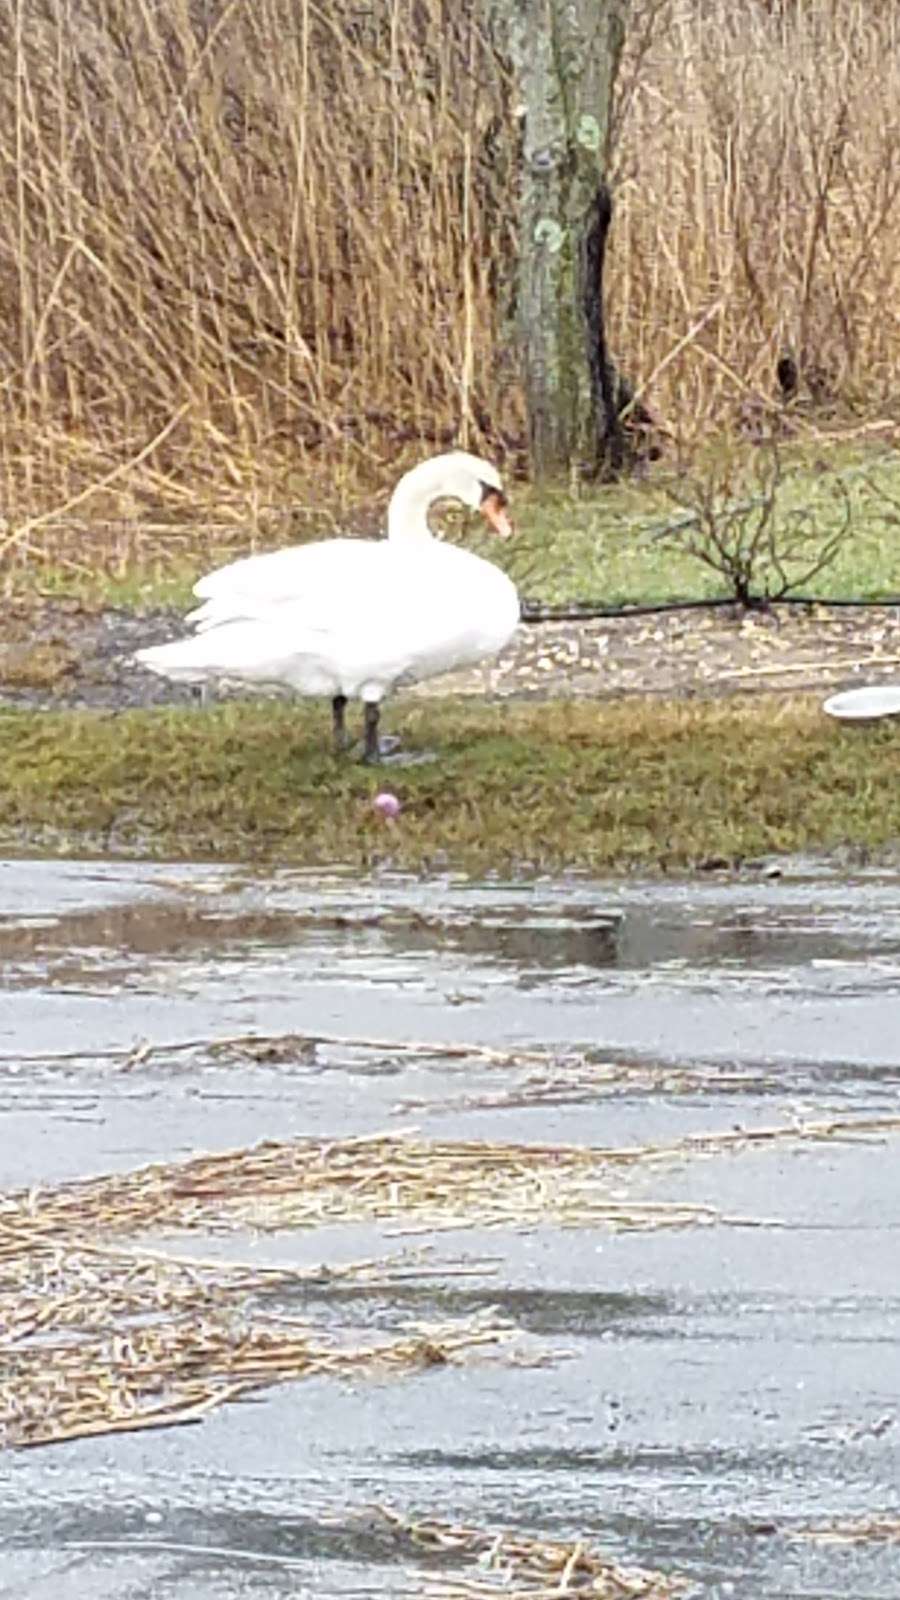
<point>397,1178</point>
<point>174,1370</point>
<point>758,179</point>
<point>98,1340</point>
<point>634,785</point>
<point>98,1335</point>
<point>414,1183</point>
<point>41,664</point>
<point>517,1564</point>
<point>875,1529</point>
<point>246,283</point>
<point>540,1076</point>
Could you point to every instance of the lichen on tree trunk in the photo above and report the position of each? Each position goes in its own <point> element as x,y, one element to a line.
<point>565,54</point>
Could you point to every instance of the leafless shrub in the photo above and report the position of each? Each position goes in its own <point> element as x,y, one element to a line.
<point>742,525</point>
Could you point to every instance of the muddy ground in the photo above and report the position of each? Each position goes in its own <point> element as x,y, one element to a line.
<point>60,654</point>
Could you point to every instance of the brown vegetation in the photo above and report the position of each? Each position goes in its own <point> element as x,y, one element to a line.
<point>253,255</point>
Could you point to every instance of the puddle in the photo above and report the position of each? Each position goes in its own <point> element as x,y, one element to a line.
<point>704,1392</point>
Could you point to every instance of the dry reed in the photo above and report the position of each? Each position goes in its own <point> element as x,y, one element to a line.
<point>879,1528</point>
<point>545,1075</point>
<point>100,1340</point>
<point>253,252</point>
<point>414,1184</point>
<point>480,1561</point>
<point>97,1337</point>
<point>520,1564</point>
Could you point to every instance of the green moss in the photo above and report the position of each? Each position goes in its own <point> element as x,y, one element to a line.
<point>635,785</point>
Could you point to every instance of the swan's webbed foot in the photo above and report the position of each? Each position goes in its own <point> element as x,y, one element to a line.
<point>409,758</point>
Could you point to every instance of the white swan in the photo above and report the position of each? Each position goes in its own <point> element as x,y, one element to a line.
<point>353,618</point>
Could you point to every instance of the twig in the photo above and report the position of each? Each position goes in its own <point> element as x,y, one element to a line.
<point>172,1547</point>
<point>775,669</point>
<point>672,355</point>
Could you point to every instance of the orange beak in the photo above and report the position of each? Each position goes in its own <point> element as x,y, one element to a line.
<point>493,509</point>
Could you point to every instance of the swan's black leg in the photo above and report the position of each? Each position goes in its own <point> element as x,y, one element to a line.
<point>372,751</point>
<point>338,707</point>
<point>384,752</point>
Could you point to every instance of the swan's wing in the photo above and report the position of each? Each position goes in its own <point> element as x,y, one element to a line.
<point>279,571</point>
<point>413,609</point>
<point>351,614</point>
<point>321,584</point>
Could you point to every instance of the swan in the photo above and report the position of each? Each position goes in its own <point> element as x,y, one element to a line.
<point>354,618</point>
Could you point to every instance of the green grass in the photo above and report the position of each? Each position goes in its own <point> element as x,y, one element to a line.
<point>632,786</point>
<point>612,547</point>
<point>138,585</point>
<point>605,545</point>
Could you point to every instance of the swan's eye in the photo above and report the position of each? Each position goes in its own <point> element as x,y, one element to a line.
<point>488,490</point>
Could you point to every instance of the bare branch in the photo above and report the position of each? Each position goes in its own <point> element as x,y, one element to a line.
<point>762,548</point>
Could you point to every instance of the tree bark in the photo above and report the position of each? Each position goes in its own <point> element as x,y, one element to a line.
<point>565,54</point>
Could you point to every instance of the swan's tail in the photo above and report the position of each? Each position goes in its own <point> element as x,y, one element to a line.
<point>180,661</point>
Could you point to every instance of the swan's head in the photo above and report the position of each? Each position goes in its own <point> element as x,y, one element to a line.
<point>479,486</point>
<point>455,476</point>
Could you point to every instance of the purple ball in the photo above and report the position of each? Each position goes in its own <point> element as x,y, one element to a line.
<point>387,806</point>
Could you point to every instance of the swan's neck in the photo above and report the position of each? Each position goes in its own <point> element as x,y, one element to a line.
<point>407,517</point>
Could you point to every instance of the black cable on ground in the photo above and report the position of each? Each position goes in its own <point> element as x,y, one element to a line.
<point>535,611</point>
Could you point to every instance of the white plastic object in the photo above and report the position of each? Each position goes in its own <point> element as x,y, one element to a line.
<point>858,705</point>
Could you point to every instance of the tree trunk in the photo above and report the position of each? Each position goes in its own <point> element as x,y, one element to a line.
<point>565,54</point>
